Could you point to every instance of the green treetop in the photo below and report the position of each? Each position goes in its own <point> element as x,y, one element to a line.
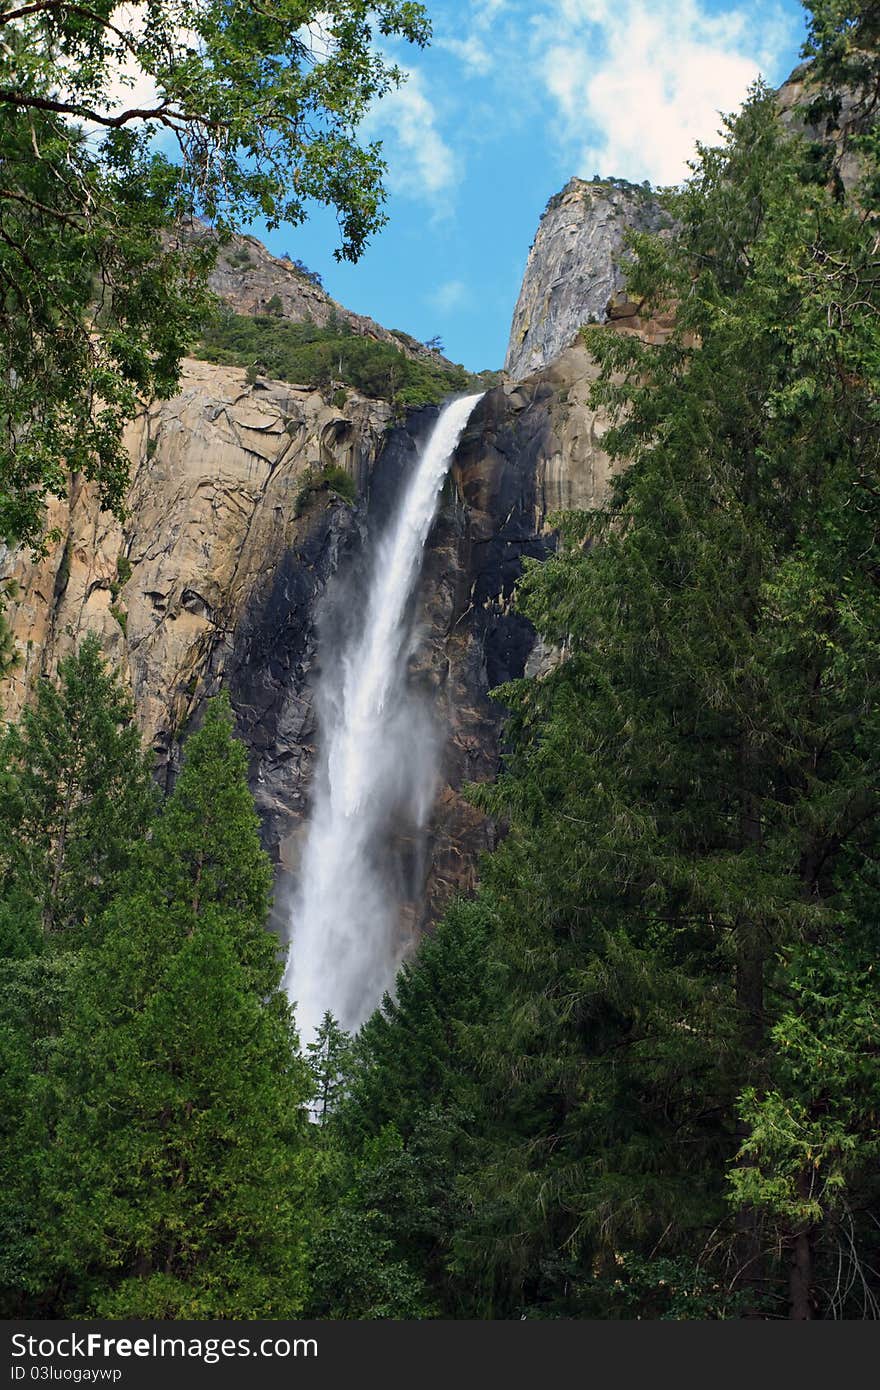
<point>178,1169</point>
<point>329,1058</point>
<point>77,795</point>
<point>204,852</point>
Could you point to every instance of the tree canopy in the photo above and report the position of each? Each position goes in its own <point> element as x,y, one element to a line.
<point>123,134</point>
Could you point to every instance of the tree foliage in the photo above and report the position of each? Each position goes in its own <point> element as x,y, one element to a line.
<point>177,1169</point>
<point>401,1134</point>
<point>312,356</point>
<point>76,799</point>
<point>78,795</point>
<point>155,1154</point>
<point>112,140</point>
<point>329,1058</point>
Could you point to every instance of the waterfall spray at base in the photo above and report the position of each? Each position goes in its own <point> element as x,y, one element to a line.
<point>378,768</point>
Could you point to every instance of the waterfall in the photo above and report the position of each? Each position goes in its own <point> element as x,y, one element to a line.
<point>378,767</point>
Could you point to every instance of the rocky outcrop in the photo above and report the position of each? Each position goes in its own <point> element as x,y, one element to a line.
<point>794,98</point>
<point>212,514</point>
<point>252,281</point>
<point>575,267</point>
<point>575,270</point>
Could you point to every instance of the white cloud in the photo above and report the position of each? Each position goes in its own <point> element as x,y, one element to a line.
<point>485,11</point>
<point>636,82</point>
<point>472,52</point>
<point>476,37</point>
<point>452,294</point>
<point>420,163</point>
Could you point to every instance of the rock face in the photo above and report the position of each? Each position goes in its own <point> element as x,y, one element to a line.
<point>216,473</point>
<point>837,131</point>
<point>574,273</point>
<point>214,580</point>
<point>574,267</point>
<point>215,577</point>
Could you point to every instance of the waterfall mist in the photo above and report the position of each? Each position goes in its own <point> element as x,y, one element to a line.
<point>377,773</point>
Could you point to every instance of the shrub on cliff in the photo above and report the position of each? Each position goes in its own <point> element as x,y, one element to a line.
<point>331,479</point>
<point>312,356</point>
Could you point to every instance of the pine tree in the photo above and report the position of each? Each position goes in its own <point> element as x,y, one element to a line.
<point>329,1058</point>
<point>398,1139</point>
<point>415,1050</point>
<point>77,796</point>
<point>794,306</point>
<point>205,852</point>
<point>179,1170</point>
<point>357,1267</point>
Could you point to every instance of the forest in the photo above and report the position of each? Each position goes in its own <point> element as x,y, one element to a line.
<point>635,1075</point>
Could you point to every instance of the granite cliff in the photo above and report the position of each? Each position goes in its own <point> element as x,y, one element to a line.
<point>214,576</point>
<point>576,266</point>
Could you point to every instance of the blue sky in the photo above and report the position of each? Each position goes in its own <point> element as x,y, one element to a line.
<point>510,100</point>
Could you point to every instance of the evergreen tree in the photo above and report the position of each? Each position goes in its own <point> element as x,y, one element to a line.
<point>796,310</point>
<point>329,1058</point>
<point>178,1173</point>
<point>415,1051</point>
<point>401,1135</point>
<point>693,792</point>
<point>204,852</point>
<point>75,798</point>
<point>813,1140</point>
<point>357,1269</point>
<point>34,992</point>
<point>78,796</point>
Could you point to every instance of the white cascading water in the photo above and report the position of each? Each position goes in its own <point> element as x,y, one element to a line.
<point>378,766</point>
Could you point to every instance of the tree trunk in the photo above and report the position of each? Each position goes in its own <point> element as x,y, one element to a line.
<point>802,1306</point>
<point>50,904</point>
<point>749,985</point>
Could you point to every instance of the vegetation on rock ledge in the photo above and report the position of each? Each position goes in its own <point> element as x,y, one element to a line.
<point>331,478</point>
<point>322,357</point>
